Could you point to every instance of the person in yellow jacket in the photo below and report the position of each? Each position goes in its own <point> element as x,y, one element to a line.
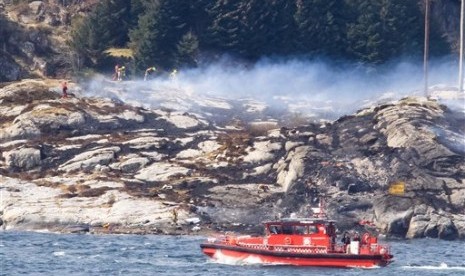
<point>121,73</point>
<point>149,72</point>
<point>173,74</point>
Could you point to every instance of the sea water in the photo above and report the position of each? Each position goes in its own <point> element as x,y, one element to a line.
<point>32,253</point>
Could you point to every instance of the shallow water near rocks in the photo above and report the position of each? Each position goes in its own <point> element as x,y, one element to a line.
<point>32,253</point>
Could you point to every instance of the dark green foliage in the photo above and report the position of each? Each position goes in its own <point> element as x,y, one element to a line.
<point>224,30</point>
<point>158,33</point>
<point>79,43</point>
<point>322,27</point>
<point>5,31</point>
<point>172,25</point>
<point>136,10</point>
<point>173,33</point>
<point>144,39</point>
<point>187,50</point>
<point>386,29</point>
<point>269,29</point>
<point>365,35</point>
<point>107,26</point>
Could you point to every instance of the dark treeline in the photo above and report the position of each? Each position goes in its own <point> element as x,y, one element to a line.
<point>175,33</point>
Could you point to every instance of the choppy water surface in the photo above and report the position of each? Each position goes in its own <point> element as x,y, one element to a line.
<point>29,253</point>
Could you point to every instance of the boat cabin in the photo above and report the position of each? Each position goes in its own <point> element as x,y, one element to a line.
<point>317,232</point>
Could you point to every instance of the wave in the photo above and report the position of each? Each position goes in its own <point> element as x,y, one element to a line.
<point>250,260</point>
<point>442,266</point>
<point>59,253</point>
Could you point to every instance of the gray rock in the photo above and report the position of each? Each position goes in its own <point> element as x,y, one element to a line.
<point>420,210</point>
<point>52,19</point>
<point>399,225</point>
<point>80,228</point>
<point>36,7</point>
<point>431,230</point>
<point>459,222</point>
<point>39,39</point>
<point>447,229</point>
<point>457,198</point>
<point>39,64</point>
<point>11,71</point>
<point>89,160</point>
<point>133,165</point>
<point>25,158</point>
<point>417,227</point>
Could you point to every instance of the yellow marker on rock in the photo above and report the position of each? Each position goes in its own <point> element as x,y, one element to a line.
<point>397,188</point>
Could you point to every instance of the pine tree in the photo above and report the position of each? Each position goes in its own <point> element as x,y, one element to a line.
<point>321,27</point>
<point>79,43</point>
<point>172,25</point>
<point>143,38</point>
<point>136,10</point>
<point>199,18</point>
<point>187,50</point>
<point>105,27</point>
<point>282,31</point>
<point>385,30</point>
<point>119,21</point>
<point>5,31</point>
<point>364,36</point>
<point>224,32</point>
<point>402,28</point>
<point>268,29</point>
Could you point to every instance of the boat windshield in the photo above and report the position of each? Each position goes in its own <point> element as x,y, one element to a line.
<point>292,229</point>
<point>276,229</point>
<point>288,229</point>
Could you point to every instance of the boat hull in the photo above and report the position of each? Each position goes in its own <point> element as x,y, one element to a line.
<point>342,260</point>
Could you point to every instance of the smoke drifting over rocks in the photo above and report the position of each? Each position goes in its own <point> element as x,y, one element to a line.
<point>306,87</point>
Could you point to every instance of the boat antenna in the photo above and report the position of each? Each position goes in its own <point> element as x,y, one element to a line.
<point>319,212</point>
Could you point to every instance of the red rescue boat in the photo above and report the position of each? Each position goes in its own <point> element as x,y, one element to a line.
<point>301,242</point>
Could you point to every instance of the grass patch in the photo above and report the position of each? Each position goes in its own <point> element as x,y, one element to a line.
<point>119,52</point>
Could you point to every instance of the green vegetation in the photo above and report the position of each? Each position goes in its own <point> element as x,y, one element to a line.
<point>173,33</point>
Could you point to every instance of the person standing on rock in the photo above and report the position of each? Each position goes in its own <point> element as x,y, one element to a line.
<point>64,88</point>
<point>116,74</point>
<point>175,216</point>
<point>173,74</point>
<point>149,72</point>
<point>121,73</point>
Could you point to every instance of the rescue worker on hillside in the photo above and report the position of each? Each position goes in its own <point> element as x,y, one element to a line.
<point>121,73</point>
<point>64,87</point>
<point>149,72</point>
<point>175,216</point>
<point>173,74</point>
<point>115,75</point>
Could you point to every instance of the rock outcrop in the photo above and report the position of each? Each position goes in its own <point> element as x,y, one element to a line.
<point>97,164</point>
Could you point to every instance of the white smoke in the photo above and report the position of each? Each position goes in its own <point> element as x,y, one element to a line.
<point>296,85</point>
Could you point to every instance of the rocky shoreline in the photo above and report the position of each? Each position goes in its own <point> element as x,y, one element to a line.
<point>99,165</point>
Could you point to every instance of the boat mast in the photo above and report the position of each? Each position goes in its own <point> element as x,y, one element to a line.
<point>426,52</point>
<point>462,11</point>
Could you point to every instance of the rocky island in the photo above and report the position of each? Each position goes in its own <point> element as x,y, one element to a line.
<point>133,157</point>
<point>103,165</point>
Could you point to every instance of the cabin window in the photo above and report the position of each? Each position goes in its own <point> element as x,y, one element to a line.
<point>276,229</point>
<point>287,229</point>
<point>300,230</point>
<point>312,229</point>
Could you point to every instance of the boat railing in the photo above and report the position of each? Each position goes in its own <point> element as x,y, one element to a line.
<point>375,248</point>
<point>286,248</point>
